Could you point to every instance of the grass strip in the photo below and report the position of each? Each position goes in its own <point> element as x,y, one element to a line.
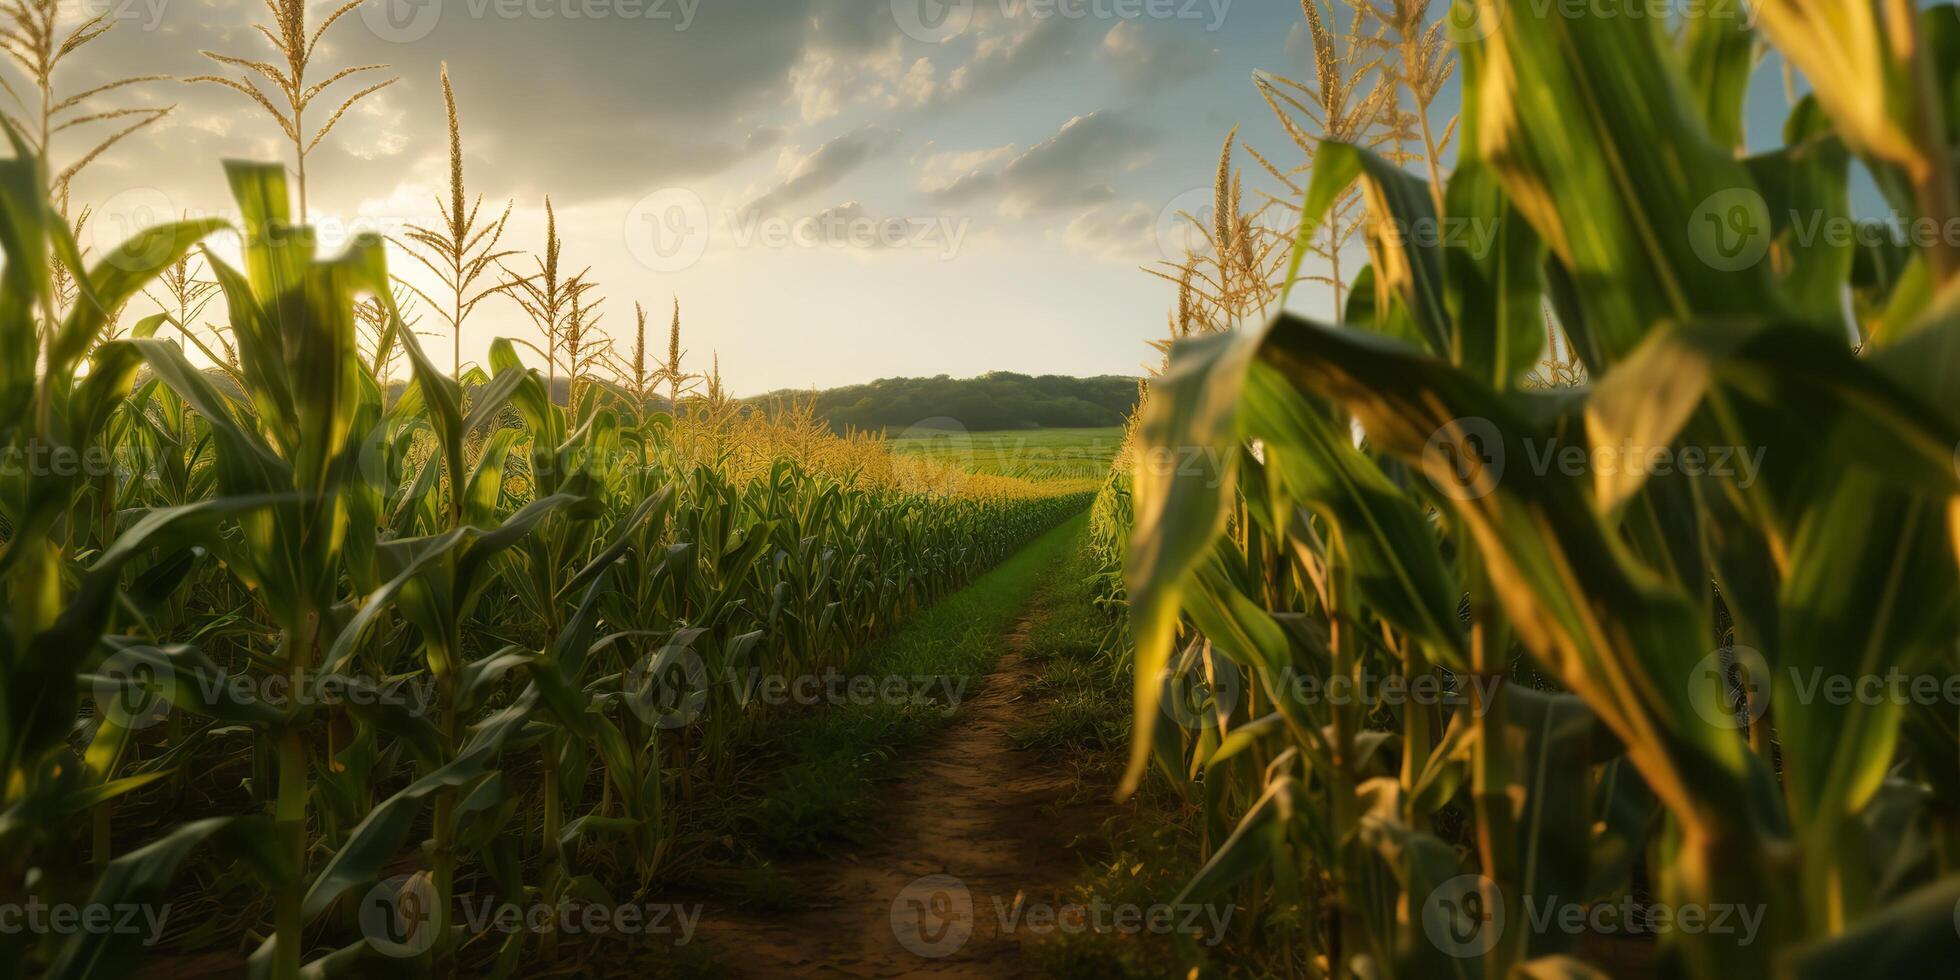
<point>940,656</point>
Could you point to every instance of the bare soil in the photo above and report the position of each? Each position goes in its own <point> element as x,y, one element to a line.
<point>967,804</point>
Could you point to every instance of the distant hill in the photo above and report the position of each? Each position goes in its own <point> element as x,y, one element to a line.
<point>993,401</point>
<point>996,400</point>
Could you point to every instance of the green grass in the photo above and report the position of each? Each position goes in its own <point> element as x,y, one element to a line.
<point>1082,720</point>
<point>1084,705</point>
<point>1030,453</point>
<point>834,756</point>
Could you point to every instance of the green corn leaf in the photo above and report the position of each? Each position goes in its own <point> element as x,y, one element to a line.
<point>117,278</point>
<point>1599,144</point>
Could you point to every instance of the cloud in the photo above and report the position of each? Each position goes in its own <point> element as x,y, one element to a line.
<point>1112,230</point>
<point>764,137</point>
<point>825,166</point>
<point>939,171</point>
<point>1064,171</point>
<point>1007,51</point>
<point>1150,61</point>
<point>595,107</point>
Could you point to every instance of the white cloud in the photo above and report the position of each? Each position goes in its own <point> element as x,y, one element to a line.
<point>1113,231</point>
<point>1151,60</point>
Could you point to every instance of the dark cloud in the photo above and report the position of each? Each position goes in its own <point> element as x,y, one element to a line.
<point>827,165</point>
<point>594,107</point>
<point>1067,170</point>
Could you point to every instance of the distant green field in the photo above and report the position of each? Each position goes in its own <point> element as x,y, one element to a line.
<point>1031,453</point>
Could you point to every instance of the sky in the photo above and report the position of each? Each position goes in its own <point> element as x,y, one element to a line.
<point>834,190</point>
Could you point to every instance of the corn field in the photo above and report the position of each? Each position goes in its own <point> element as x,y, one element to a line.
<point>1624,660</point>
<point>259,557</point>
<point>1595,552</point>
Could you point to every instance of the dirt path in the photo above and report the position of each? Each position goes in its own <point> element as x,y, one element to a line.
<point>979,821</point>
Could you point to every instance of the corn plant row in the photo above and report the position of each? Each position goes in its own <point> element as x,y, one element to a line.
<point>268,551</point>
<point>1637,665</point>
